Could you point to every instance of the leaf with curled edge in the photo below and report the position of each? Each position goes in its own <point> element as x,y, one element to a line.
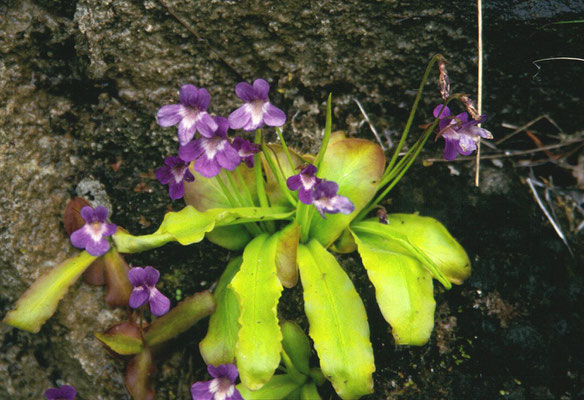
<point>258,291</point>
<point>425,239</point>
<point>139,376</point>
<point>286,254</point>
<point>338,322</point>
<point>180,318</point>
<point>205,193</point>
<point>218,346</point>
<point>403,289</point>
<point>279,387</point>
<point>116,271</point>
<point>189,226</point>
<point>41,299</point>
<point>434,240</point>
<point>123,339</point>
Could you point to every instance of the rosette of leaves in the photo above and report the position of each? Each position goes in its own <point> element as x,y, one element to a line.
<point>284,240</point>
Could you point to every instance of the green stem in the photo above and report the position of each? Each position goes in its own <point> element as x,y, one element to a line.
<point>260,183</point>
<point>327,131</point>
<point>412,114</point>
<point>286,151</point>
<point>305,228</point>
<point>245,188</point>
<point>401,173</point>
<point>252,227</point>
<point>277,174</point>
<point>226,191</point>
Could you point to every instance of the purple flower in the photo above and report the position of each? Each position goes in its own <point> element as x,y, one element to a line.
<point>92,236</point>
<point>64,392</point>
<point>326,199</point>
<point>221,387</point>
<point>304,182</point>
<point>257,109</point>
<point>190,114</point>
<point>144,281</point>
<point>213,152</point>
<point>174,173</point>
<point>460,134</point>
<point>245,149</point>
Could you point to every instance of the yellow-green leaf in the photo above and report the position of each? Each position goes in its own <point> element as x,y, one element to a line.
<point>258,290</point>
<point>231,237</point>
<point>40,301</point>
<point>296,345</point>
<point>403,288</point>
<point>189,226</point>
<point>338,322</point>
<point>180,318</point>
<point>206,193</point>
<point>430,236</point>
<point>309,392</point>
<point>277,388</point>
<point>426,240</point>
<point>356,165</point>
<point>218,347</point>
<point>123,339</point>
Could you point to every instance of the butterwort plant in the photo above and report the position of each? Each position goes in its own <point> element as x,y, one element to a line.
<point>289,213</point>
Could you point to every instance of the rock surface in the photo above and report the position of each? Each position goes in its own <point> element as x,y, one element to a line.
<point>81,81</point>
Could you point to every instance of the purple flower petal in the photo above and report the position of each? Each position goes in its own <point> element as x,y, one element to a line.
<point>450,151</point>
<point>100,213</point>
<point>462,117</point>
<point>188,176</point>
<point>326,200</point>
<point>137,276</point>
<point>139,297</point>
<point>163,174</point>
<point>273,116</point>
<point>87,214</point>
<point>305,196</point>
<point>110,229</point>
<point>206,125</point>
<point>228,157</point>
<point>261,88</point>
<point>80,237</point>
<point>186,130</point>
<point>192,150</point>
<point>294,182</point>
<point>228,371</point>
<point>151,276</point>
<point>466,145</point>
<point>176,190</point>
<point>236,395</point>
<point>159,303</point>
<point>189,95</point>
<point>239,118</point>
<point>445,113</point>
<point>97,247</point>
<point>208,167</point>
<point>64,392</point>
<point>169,115</point>
<point>222,126</point>
<point>200,391</point>
<point>245,91</point>
<point>342,204</point>
<point>203,99</point>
